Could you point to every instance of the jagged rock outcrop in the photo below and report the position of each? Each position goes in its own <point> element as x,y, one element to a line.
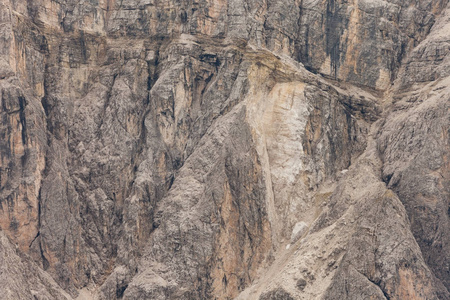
<point>167,149</point>
<point>22,279</point>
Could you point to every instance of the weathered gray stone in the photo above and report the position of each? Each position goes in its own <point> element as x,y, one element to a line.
<point>166,149</point>
<point>277,294</point>
<point>21,278</point>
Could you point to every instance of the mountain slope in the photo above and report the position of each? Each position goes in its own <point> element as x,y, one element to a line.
<point>169,149</point>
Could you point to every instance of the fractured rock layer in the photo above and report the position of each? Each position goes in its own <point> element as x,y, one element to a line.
<point>224,149</point>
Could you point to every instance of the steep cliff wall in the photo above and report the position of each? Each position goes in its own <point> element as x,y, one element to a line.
<point>168,149</point>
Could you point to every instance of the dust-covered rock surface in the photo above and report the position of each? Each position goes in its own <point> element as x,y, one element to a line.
<point>240,149</point>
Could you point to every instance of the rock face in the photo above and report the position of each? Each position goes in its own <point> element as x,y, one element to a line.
<point>173,149</point>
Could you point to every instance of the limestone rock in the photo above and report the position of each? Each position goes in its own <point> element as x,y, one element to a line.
<point>277,294</point>
<point>298,230</point>
<point>22,279</point>
<point>173,149</point>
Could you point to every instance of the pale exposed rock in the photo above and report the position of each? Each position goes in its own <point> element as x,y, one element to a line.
<point>240,149</point>
<point>22,279</point>
<point>298,231</point>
